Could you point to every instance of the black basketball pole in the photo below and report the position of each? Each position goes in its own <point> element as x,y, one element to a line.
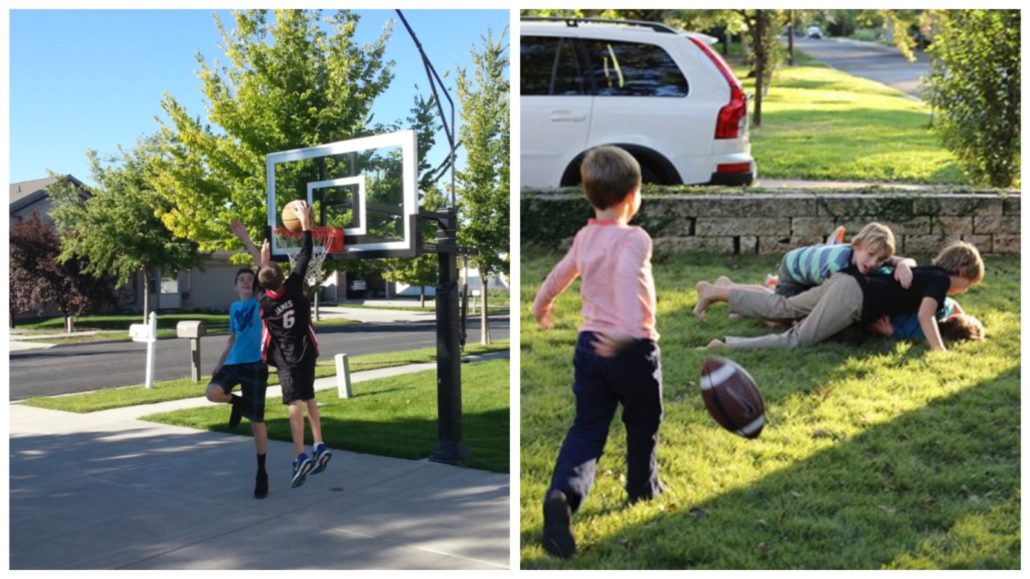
<point>451,447</point>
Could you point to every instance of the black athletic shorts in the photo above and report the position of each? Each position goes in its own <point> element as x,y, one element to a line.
<point>298,380</point>
<point>253,378</point>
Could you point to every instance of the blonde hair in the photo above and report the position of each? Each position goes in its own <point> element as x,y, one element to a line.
<point>877,239</point>
<point>609,175</point>
<point>963,260</point>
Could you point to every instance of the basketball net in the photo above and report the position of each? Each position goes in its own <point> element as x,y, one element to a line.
<point>325,240</point>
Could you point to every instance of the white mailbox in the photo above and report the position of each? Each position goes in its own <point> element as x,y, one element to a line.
<point>147,333</point>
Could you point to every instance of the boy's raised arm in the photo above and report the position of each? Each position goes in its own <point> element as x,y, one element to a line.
<point>266,254</point>
<point>241,232</point>
<point>304,213</point>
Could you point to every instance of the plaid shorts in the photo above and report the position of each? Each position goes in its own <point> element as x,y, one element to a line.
<point>253,378</point>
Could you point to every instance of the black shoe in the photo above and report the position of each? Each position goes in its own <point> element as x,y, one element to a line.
<point>237,412</point>
<point>261,485</point>
<point>654,493</point>
<point>558,539</point>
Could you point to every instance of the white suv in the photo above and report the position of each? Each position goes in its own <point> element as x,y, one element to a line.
<point>663,95</point>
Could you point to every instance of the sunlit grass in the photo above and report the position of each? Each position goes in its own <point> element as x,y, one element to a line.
<point>820,123</point>
<point>394,416</point>
<point>878,455</point>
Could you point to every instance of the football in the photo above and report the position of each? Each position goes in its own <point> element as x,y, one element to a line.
<point>291,220</point>
<point>732,397</point>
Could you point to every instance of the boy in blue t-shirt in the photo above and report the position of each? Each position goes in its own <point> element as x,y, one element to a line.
<point>953,323</point>
<point>240,363</point>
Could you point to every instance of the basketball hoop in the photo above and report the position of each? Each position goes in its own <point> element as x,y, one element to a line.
<point>325,240</point>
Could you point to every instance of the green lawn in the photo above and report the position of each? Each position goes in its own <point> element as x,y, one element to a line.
<point>820,123</point>
<point>394,416</point>
<point>185,388</point>
<point>884,455</point>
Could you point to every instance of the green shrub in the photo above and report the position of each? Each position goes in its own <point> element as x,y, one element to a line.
<point>974,87</point>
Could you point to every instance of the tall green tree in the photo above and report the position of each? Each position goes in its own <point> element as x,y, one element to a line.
<point>484,182</point>
<point>974,87</point>
<point>294,78</point>
<point>117,231</point>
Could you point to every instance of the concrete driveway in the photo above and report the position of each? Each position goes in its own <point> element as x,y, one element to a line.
<point>106,490</point>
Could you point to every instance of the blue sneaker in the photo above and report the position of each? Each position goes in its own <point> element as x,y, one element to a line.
<point>321,458</point>
<point>301,467</point>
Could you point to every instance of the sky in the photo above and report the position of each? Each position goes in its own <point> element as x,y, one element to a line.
<point>94,79</point>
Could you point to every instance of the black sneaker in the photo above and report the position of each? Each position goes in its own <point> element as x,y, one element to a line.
<point>261,485</point>
<point>237,412</point>
<point>558,539</point>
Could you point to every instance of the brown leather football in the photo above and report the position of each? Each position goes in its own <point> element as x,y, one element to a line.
<point>732,397</point>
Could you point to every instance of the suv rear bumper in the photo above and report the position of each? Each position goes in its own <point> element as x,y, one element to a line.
<point>732,178</point>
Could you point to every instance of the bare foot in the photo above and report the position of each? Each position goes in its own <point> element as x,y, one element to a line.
<point>723,281</point>
<point>704,299</point>
<point>716,343</point>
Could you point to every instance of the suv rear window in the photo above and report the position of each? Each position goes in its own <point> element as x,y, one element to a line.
<point>633,69</point>
<point>549,66</point>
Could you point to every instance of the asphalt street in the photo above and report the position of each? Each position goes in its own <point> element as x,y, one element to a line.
<point>884,64</point>
<point>78,368</point>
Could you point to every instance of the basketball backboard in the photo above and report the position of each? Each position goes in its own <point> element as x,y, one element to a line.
<point>367,186</point>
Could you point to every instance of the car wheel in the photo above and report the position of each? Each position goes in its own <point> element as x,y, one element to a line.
<point>649,175</point>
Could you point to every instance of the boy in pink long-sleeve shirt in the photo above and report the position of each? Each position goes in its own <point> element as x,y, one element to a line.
<point>617,359</point>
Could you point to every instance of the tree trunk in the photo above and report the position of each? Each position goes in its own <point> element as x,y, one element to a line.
<point>146,293</point>
<point>484,318</point>
<point>421,296</point>
<point>69,323</point>
<point>760,64</point>
<point>790,38</point>
<point>317,312</point>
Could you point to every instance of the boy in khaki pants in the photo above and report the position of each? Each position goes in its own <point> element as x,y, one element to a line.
<point>849,297</point>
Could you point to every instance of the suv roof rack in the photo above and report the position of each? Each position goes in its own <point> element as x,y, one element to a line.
<point>573,22</point>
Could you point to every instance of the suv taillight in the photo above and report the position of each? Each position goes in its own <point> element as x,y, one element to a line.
<point>732,119</point>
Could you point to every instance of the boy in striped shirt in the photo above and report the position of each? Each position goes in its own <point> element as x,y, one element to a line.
<point>807,267</point>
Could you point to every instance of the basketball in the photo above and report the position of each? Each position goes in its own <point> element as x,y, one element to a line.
<point>732,397</point>
<point>291,220</point>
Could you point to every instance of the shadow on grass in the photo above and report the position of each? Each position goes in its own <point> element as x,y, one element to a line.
<point>867,502</point>
<point>486,435</point>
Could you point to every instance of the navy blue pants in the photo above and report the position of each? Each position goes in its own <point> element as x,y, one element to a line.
<point>632,378</point>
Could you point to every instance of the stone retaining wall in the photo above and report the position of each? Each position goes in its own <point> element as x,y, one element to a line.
<point>775,222</point>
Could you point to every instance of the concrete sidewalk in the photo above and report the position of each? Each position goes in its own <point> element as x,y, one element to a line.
<point>108,491</point>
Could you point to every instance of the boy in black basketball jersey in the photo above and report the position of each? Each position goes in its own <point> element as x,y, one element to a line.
<point>289,344</point>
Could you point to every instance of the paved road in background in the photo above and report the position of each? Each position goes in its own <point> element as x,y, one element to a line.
<point>869,60</point>
<point>78,368</point>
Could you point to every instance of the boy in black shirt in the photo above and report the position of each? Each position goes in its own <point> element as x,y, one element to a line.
<point>289,344</point>
<point>848,297</point>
